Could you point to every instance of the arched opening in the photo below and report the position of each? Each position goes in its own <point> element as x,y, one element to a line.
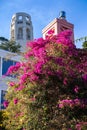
<point>27,19</point>
<point>20,17</point>
<point>20,33</point>
<point>27,34</point>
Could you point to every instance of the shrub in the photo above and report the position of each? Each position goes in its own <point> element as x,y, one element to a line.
<point>51,92</point>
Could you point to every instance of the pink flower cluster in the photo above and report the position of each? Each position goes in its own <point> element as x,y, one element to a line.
<point>37,47</point>
<point>13,68</point>
<point>85,78</point>
<point>19,114</point>
<point>38,57</point>
<point>72,103</point>
<point>80,125</point>
<point>15,101</point>
<point>50,31</point>
<point>12,84</point>
<point>54,56</point>
<point>5,103</point>
<point>32,99</point>
<point>20,87</point>
<point>50,34</point>
<point>76,89</point>
<point>64,38</point>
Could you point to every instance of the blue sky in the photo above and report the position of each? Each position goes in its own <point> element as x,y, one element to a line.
<point>43,12</point>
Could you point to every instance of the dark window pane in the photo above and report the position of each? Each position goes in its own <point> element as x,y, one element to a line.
<point>6,64</point>
<point>3,92</point>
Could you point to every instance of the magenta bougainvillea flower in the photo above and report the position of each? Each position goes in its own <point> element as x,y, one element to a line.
<point>85,78</point>
<point>13,68</point>
<point>76,89</point>
<point>5,103</point>
<point>50,31</point>
<point>15,101</point>
<point>51,88</point>
<point>12,84</point>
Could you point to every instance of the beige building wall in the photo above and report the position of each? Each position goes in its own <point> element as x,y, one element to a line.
<point>58,25</point>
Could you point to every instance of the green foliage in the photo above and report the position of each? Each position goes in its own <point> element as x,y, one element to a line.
<point>3,39</point>
<point>3,116</point>
<point>84,45</point>
<point>11,46</point>
<point>51,92</point>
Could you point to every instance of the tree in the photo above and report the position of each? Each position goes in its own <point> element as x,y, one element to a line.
<point>11,46</point>
<point>51,92</point>
<point>3,39</point>
<point>85,45</point>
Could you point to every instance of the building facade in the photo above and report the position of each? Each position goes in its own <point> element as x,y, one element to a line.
<point>6,60</point>
<point>58,25</point>
<point>21,29</point>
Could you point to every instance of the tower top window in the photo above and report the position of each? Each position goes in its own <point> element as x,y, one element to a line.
<point>20,33</point>
<point>20,18</point>
<point>27,19</point>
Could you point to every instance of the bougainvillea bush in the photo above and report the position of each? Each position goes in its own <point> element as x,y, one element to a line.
<point>51,91</point>
<point>3,116</point>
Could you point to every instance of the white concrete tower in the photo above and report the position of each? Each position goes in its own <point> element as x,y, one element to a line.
<point>21,29</point>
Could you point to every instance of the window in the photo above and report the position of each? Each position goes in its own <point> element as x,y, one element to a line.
<point>63,28</point>
<point>27,23</point>
<point>20,17</point>
<point>19,22</point>
<point>20,33</point>
<point>27,34</point>
<point>6,63</point>
<point>3,92</point>
<point>27,19</point>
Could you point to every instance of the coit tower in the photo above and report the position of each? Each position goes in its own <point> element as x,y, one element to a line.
<point>21,29</point>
